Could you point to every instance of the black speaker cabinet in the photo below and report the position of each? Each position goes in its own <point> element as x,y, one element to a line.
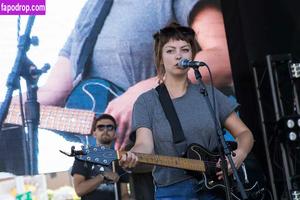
<point>13,150</point>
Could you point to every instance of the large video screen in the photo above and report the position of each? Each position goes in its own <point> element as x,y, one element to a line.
<point>121,59</point>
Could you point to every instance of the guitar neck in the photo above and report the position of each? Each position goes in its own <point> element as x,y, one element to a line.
<point>56,118</point>
<point>169,161</point>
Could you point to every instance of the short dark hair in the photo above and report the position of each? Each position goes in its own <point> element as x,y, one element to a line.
<point>104,116</point>
<point>173,31</point>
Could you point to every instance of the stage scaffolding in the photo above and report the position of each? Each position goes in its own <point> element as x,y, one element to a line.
<point>277,89</point>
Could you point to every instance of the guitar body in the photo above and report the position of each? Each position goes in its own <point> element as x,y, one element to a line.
<point>252,184</point>
<point>197,152</point>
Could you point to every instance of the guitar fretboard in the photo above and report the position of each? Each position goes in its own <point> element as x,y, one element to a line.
<point>56,118</point>
<point>169,161</point>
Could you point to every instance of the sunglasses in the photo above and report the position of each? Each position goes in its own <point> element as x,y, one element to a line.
<point>108,127</point>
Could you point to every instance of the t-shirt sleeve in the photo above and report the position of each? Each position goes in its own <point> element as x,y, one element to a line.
<point>66,50</point>
<point>79,167</point>
<point>79,28</point>
<point>140,114</point>
<point>224,106</point>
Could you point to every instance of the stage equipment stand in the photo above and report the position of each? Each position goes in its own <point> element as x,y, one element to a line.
<point>222,147</point>
<point>25,68</point>
<point>280,120</point>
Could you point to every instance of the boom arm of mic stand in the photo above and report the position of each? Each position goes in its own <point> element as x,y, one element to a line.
<point>226,152</point>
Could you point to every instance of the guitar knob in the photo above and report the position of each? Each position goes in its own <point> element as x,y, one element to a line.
<point>211,182</point>
<point>88,158</point>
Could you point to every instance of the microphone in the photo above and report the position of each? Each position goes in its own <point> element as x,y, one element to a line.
<point>185,63</point>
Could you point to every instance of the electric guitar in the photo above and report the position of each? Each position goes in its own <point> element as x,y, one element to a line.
<point>198,161</point>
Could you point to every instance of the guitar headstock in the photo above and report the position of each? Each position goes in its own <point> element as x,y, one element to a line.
<point>98,155</point>
<point>295,70</point>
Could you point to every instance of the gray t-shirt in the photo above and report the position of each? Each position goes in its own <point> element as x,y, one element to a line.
<point>123,53</point>
<point>196,121</point>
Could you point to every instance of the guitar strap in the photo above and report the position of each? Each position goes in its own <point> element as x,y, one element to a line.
<point>89,43</point>
<point>171,115</point>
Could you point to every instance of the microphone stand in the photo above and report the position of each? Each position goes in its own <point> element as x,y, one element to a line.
<point>25,68</point>
<point>222,147</point>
